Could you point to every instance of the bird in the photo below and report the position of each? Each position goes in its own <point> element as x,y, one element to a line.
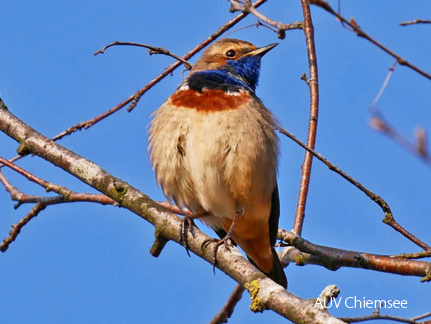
<point>214,151</point>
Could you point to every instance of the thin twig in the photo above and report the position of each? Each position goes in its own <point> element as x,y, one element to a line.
<point>247,7</point>
<point>226,312</point>
<point>383,87</point>
<point>417,21</point>
<point>355,27</point>
<point>17,227</point>
<point>390,220</point>
<point>43,183</point>
<point>377,316</point>
<point>151,50</point>
<point>416,255</point>
<point>428,314</point>
<point>257,25</point>
<point>378,123</point>
<point>313,85</point>
<point>66,195</point>
<point>420,149</point>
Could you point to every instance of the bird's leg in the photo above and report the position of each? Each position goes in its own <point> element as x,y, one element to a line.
<point>187,222</point>
<point>188,225</point>
<point>224,240</point>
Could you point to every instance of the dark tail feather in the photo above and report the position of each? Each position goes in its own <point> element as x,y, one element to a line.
<point>277,274</point>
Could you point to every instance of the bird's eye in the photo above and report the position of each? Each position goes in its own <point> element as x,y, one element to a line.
<point>230,53</point>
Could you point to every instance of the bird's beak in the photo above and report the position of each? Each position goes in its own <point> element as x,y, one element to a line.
<point>261,50</point>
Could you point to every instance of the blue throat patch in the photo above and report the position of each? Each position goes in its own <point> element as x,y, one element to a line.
<point>248,68</point>
<point>234,76</point>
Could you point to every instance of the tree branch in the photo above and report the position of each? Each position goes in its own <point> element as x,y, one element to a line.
<point>313,85</point>
<point>16,229</point>
<point>225,313</point>
<point>66,195</point>
<point>420,148</point>
<point>333,259</point>
<point>377,316</point>
<point>247,7</point>
<point>151,50</point>
<point>416,21</point>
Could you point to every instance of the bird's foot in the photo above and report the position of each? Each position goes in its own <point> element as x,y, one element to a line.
<point>187,225</point>
<point>187,222</point>
<point>226,241</point>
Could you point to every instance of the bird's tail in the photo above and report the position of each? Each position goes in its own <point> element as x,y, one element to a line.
<point>277,273</point>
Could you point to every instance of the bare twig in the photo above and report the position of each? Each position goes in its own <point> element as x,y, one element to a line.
<point>133,99</point>
<point>225,313</point>
<point>383,87</point>
<point>428,314</point>
<point>388,219</point>
<point>247,7</point>
<point>16,229</point>
<point>417,21</point>
<point>355,27</point>
<point>15,194</point>
<point>151,50</point>
<point>378,123</point>
<point>333,259</point>
<point>378,316</point>
<point>66,195</point>
<point>257,25</point>
<point>417,255</point>
<point>313,85</point>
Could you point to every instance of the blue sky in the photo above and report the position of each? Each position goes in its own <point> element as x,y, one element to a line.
<point>84,263</point>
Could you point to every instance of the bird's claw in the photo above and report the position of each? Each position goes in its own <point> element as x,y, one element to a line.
<point>187,225</point>
<point>224,241</point>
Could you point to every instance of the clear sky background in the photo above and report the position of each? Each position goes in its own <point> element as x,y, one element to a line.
<point>85,263</point>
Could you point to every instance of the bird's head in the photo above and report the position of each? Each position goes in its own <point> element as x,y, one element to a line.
<point>235,58</point>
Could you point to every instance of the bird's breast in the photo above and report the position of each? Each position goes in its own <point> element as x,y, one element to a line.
<point>210,100</point>
<point>215,151</point>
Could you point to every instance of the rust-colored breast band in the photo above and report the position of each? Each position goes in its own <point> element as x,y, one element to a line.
<point>209,100</point>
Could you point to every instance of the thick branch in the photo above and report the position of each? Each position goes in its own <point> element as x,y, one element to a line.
<point>266,291</point>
